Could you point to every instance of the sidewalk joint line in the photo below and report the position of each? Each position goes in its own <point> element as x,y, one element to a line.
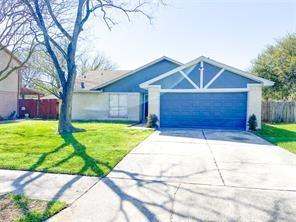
<point>215,161</point>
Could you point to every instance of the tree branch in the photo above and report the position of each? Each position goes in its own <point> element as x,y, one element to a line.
<point>57,23</point>
<point>40,22</point>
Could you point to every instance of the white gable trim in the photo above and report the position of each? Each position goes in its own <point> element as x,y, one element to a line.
<point>171,72</point>
<point>265,82</point>
<point>214,78</point>
<point>138,69</point>
<point>189,80</point>
<point>201,71</point>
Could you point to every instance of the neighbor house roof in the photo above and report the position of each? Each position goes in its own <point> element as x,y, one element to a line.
<point>11,54</point>
<point>28,91</point>
<point>92,79</point>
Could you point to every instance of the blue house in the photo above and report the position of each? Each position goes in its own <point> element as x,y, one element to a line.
<point>202,93</point>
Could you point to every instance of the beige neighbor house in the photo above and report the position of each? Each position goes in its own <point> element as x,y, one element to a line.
<point>9,87</point>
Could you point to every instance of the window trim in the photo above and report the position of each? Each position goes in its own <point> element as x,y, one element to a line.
<point>118,106</point>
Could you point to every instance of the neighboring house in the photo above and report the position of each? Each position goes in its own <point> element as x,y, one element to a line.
<point>9,87</point>
<point>200,94</point>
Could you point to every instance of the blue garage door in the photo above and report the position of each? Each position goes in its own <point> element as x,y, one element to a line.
<point>203,110</point>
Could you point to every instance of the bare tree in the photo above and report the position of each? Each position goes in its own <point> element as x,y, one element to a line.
<point>54,21</point>
<point>86,63</point>
<point>41,73</point>
<point>15,35</point>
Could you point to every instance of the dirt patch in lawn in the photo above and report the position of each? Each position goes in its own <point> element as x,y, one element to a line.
<point>19,208</point>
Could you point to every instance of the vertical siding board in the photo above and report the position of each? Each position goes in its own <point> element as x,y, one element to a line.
<point>279,111</point>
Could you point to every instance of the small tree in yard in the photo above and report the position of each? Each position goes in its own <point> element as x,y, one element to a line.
<point>253,122</point>
<point>48,23</point>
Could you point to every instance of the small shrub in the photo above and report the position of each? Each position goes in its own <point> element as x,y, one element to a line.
<point>152,121</point>
<point>253,123</point>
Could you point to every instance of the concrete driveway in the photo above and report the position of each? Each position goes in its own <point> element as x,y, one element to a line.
<point>194,175</point>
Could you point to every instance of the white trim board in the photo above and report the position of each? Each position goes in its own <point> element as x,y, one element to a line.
<point>201,73</point>
<point>137,70</point>
<point>222,90</point>
<point>171,72</point>
<point>189,80</point>
<point>214,78</point>
<point>265,82</point>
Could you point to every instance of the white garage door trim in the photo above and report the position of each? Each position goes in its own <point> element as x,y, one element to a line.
<point>254,98</point>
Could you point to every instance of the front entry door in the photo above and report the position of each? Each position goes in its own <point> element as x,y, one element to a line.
<point>145,107</point>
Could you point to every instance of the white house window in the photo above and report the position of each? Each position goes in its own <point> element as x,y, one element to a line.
<point>118,105</point>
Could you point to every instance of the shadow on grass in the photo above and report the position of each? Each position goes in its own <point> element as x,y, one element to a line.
<point>79,150</point>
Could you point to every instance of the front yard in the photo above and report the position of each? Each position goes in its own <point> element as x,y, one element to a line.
<point>283,135</point>
<point>36,146</point>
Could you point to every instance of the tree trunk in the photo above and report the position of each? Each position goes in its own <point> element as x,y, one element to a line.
<point>65,125</point>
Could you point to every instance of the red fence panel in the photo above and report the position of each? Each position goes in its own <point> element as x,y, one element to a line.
<point>28,106</point>
<point>49,109</point>
<point>44,109</point>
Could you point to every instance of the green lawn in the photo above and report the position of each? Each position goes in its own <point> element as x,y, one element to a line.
<point>283,135</point>
<point>36,146</point>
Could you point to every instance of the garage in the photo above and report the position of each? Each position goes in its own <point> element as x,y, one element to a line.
<point>204,110</point>
<point>205,94</point>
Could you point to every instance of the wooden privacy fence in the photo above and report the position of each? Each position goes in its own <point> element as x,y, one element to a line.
<point>44,109</point>
<point>279,111</point>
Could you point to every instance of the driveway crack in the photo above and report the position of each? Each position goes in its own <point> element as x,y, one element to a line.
<point>173,204</point>
<point>215,161</point>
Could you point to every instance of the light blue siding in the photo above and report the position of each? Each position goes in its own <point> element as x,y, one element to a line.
<point>209,72</point>
<point>194,75</point>
<point>231,80</point>
<point>131,83</point>
<point>203,110</point>
<point>176,81</point>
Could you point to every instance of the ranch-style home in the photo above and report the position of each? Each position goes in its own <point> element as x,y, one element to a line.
<point>203,93</point>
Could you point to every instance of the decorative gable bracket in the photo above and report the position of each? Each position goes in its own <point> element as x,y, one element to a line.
<point>191,65</point>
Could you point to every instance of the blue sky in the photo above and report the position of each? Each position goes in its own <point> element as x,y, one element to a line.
<point>230,31</point>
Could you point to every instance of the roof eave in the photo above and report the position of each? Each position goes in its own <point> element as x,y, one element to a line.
<point>137,70</point>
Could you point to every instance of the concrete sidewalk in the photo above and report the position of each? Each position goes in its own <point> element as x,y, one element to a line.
<point>194,175</point>
<point>45,186</point>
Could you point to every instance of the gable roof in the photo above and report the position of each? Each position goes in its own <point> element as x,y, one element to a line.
<point>92,79</point>
<point>265,82</point>
<point>136,70</point>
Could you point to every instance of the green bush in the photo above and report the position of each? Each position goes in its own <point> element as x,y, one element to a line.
<point>152,121</point>
<point>253,123</point>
